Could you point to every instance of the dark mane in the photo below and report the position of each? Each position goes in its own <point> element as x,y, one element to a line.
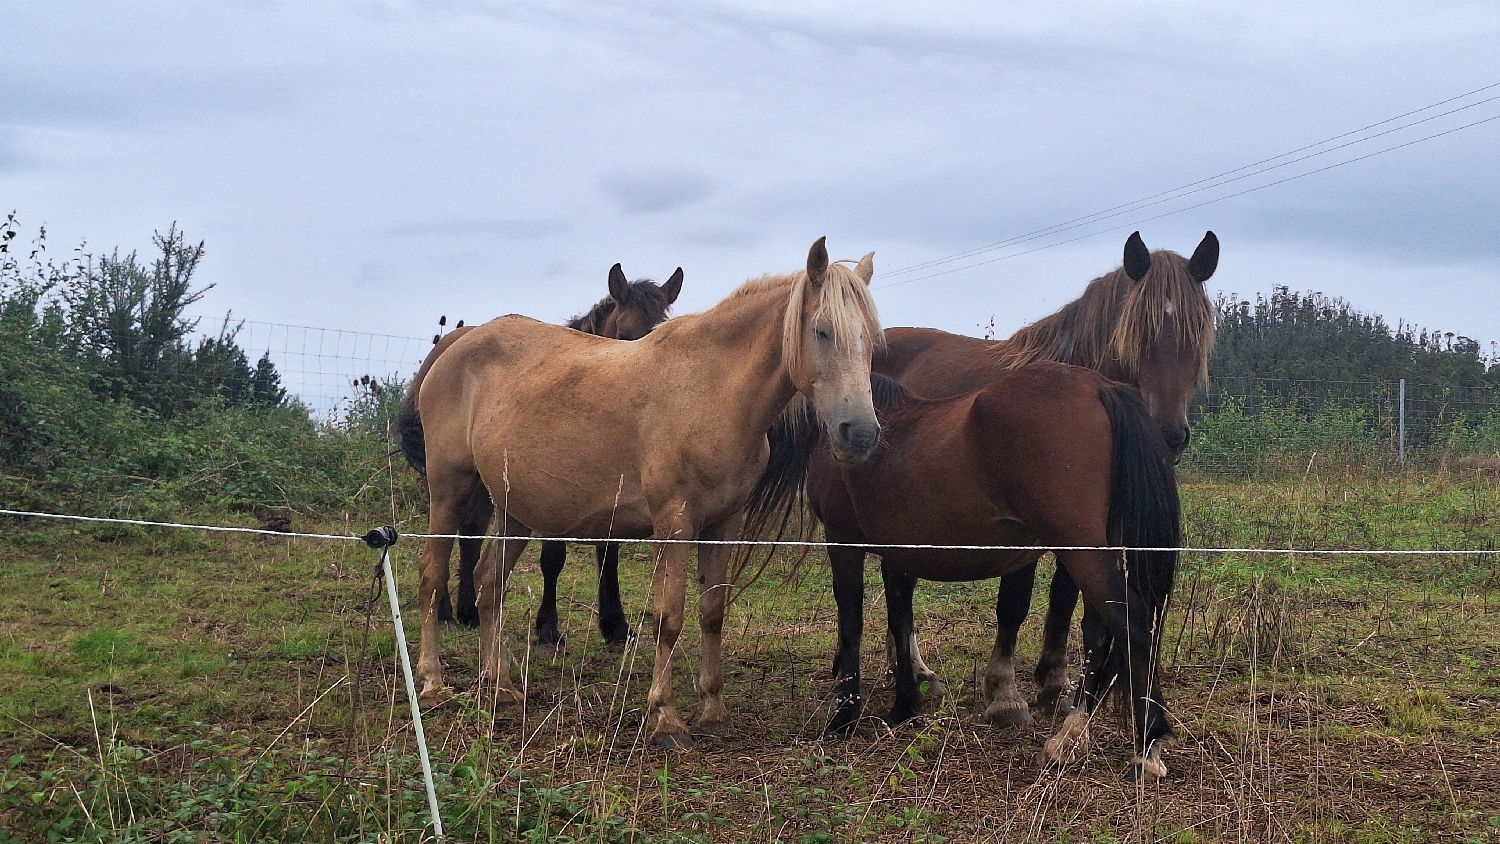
<point>1114,324</point>
<point>643,293</point>
<point>773,503</point>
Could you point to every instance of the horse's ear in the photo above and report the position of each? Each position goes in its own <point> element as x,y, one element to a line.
<point>1205,258</point>
<point>673,286</point>
<point>865,269</point>
<point>817,262</point>
<point>619,288</point>
<point>1137,257</point>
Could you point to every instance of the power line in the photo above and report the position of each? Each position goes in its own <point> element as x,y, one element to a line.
<point>1055,230</point>
<point>1217,180</point>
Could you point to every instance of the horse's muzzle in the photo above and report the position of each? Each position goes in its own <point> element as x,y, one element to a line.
<point>856,440</point>
<point>1177,440</point>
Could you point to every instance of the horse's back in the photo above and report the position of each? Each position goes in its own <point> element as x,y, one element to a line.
<point>936,364</point>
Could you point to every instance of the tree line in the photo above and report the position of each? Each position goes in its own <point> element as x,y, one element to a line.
<point>1313,337</point>
<point>112,402</point>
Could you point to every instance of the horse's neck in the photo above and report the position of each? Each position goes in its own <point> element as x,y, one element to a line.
<point>736,351</point>
<point>1059,337</point>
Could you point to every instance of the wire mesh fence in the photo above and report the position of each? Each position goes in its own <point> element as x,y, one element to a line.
<point>319,366</point>
<point>1240,425</point>
<point>1251,425</point>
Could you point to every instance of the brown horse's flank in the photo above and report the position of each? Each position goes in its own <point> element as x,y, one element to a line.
<point>1046,455</point>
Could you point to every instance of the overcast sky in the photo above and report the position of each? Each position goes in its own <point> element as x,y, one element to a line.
<point>370,166</point>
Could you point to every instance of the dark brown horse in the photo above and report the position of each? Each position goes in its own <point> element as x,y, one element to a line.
<point>1047,456</point>
<point>628,312</point>
<point>1149,323</point>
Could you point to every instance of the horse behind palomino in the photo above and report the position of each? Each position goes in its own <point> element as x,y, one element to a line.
<point>629,312</point>
<point>1048,456</point>
<point>662,438</point>
<point>1149,323</point>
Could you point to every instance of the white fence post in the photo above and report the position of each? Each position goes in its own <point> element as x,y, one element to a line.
<point>1401,427</point>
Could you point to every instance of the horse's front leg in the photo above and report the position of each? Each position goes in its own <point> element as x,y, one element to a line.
<point>611,613</point>
<point>899,590</point>
<point>669,589</point>
<point>554,555</point>
<point>476,519</point>
<point>1052,665</point>
<point>492,576</point>
<point>1005,706</point>
<point>713,598</point>
<point>432,592</point>
<point>848,566</point>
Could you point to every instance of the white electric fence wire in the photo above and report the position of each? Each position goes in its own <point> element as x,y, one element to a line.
<point>1183,190</point>
<point>873,546</point>
<point>1176,211</point>
<point>411,690</point>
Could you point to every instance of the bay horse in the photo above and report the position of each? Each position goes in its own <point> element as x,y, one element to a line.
<point>661,438</point>
<point>629,311</point>
<point>1149,323</point>
<point>1049,456</point>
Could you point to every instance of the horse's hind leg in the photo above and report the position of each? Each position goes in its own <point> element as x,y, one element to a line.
<point>611,613</point>
<point>449,491</point>
<point>848,566</point>
<point>669,591</point>
<point>493,574</point>
<point>554,555</point>
<point>899,590</point>
<point>919,670</point>
<point>1006,707</point>
<point>1071,741</point>
<point>713,597</point>
<point>1052,665</point>
<point>476,520</point>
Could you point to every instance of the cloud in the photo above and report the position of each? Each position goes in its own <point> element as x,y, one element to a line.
<point>653,191</point>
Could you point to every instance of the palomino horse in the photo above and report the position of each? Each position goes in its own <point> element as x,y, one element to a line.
<point>660,438</point>
<point>629,312</point>
<point>1149,323</point>
<point>1049,456</point>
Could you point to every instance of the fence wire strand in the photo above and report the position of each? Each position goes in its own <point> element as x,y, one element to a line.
<point>873,547</point>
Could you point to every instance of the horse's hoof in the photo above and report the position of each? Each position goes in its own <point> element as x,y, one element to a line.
<point>1071,742</point>
<point>469,619</point>
<point>932,687</point>
<point>1145,770</point>
<point>434,695</point>
<point>901,714</point>
<point>844,719</point>
<point>445,611</point>
<point>617,637</point>
<point>714,728</point>
<point>549,637</point>
<point>1010,713</point>
<point>502,696</point>
<point>1054,702</point>
<point>673,740</point>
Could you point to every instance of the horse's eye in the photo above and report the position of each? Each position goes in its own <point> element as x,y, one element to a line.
<point>822,334</point>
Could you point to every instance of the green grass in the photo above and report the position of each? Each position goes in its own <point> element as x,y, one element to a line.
<point>169,686</point>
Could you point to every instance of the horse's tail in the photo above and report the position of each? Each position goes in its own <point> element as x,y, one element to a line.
<point>406,426</point>
<point>406,430</point>
<point>774,502</point>
<point>1144,508</point>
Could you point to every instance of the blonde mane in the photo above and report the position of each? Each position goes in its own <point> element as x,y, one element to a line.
<point>845,303</point>
<point>1114,324</point>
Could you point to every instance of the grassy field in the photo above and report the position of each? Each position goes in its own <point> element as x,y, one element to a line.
<point>166,686</point>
